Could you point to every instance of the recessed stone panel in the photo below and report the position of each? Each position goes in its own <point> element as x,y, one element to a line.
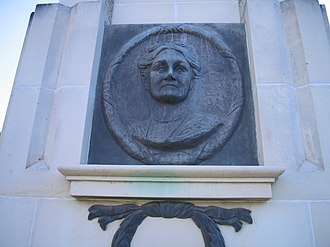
<point>206,119</point>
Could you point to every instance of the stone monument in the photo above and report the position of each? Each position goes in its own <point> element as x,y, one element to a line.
<point>167,123</point>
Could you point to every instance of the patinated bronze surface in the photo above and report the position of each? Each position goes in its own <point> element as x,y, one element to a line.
<point>206,219</point>
<point>171,94</point>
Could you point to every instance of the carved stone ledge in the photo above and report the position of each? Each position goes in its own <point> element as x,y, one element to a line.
<point>185,182</point>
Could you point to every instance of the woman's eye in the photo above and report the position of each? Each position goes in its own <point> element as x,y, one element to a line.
<point>160,69</point>
<point>180,69</point>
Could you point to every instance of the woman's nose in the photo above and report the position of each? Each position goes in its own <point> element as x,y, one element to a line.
<point>169,75</point>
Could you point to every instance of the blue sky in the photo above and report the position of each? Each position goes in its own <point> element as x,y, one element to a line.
<point>14,17</point>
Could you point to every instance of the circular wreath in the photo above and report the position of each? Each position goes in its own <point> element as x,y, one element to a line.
<point>114,110</point>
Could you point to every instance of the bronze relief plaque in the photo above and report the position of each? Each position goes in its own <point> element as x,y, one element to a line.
<point>173,94</point>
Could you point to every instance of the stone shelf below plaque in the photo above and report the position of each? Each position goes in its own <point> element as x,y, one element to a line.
<point>184,182</point>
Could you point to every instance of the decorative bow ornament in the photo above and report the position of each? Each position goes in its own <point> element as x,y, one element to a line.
<point>206,218</point>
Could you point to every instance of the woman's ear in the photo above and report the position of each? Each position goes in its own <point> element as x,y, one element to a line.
<point>145,81</point>
<point>192,84</point>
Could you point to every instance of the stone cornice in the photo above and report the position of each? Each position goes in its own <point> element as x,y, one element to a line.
<point>184,182</point>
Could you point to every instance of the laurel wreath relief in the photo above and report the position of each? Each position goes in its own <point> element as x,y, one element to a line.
<point>206,219</point>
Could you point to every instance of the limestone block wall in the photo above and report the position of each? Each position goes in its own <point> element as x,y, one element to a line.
<point>49,118</point>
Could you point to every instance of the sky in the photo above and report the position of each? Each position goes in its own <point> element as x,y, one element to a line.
<point>14,17</point>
